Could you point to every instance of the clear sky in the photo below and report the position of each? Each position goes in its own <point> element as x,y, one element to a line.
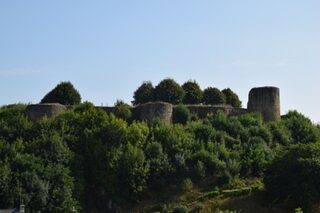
<point>107,48</point>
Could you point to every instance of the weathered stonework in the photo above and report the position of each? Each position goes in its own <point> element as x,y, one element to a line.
<point>37,111</point>
<point>152,111</point>
<point>265,100</point>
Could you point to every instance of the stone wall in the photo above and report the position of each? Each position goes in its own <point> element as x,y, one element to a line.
<point>265,100</point>
<point>37,111</point>
<point>152,111</point>
<point>203,110</point>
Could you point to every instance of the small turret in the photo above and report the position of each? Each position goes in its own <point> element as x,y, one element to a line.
<point>265,100</point>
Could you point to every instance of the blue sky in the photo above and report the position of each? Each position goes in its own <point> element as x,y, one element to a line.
<point>107,48</point>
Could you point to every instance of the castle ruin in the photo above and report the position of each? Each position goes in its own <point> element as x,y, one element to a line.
<point>264,100</point>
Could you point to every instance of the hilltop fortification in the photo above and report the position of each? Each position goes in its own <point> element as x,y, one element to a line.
<point>264,100</point>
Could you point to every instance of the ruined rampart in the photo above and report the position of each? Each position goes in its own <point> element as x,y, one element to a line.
<point>265,100</point>
<point>38,111</point>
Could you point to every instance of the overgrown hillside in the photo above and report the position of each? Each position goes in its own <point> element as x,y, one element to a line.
<point>91,160</point>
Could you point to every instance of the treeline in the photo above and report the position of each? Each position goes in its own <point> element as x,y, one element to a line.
<point>85,157</point>
<point>168,90</point>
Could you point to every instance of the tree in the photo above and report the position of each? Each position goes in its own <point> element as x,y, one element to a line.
<point>144,94</point>
<point>231,98</point>
<point>131,173</point>
<point>169,91</point>
<point>193,93</point>
<point>213,96</point>
<point>294,175</point>
<point>301,128</point>
<point>64,93</point>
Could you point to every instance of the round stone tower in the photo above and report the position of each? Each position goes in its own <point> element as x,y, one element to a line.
<point>153,110</point>
<point>37,111</point>
<point>265,100</point>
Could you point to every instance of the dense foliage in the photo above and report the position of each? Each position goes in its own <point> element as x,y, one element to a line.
<point>213,96</point>
<point>144,94</point>
<point>231,97</point>
<point>64,93</point>
<point>294,175</point>
<point>193,93</point>
<point>169,91</point>
<point>86,157</point>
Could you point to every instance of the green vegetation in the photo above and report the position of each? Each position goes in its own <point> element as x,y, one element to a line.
<point>193,93</point>
<point>144,94</point>
<point>85,158</point>
<point>64,93</point>
<point>168,90</point>
<point>231,98</point>
<point>213,96</point>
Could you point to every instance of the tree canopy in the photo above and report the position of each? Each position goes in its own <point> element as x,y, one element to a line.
<point>64,93</point>
<point>144,94</point>
<point>169,91</point>
<point>231,98</point>
<point>193,93</point>
<point>212,95</point>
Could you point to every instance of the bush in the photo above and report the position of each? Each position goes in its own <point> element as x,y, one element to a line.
<point>231,98</point>
<point>180,209</point>
<point>193,93</point>
<point>144,94</point>
<point>169,91</point>
<point>181,114</point>
<point>213,96</point>
<point>186,185</point>
<point>64,93</point>
<point>295,175</point>
<point>123,110</point>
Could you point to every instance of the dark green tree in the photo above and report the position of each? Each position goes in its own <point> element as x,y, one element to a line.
<point>144,94</point>
<point>193,93</point>
<point>64,93</point>
<point>301,128</point>
<point>213,96</point>
<point>169,91</point>
<point>294,175</point>
<point>231,98</point>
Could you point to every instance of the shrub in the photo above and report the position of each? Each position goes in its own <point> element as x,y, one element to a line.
<point>193,93</point>
<point>144,94</point>
<point>180,209</point>
<point>295,175</point>
<point>204,132</point>
<point>181,114</point>
<point>169,91</point>
<point>122,110</point>
<point>64,93</point>
<point>213,96</point>
<point>186,185</point>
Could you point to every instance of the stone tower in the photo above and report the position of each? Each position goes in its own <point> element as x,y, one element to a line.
<point>37,111</point>
<point>265,100</point>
